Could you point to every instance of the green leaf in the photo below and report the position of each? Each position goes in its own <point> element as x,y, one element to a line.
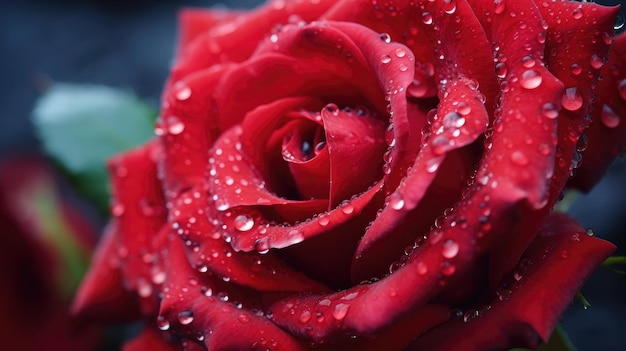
<point>610,262</point>
<point>81,126</point>
<point>558,342</point>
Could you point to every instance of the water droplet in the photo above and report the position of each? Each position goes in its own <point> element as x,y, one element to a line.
<point>530,79</point>
<point>243,223</point>
<point>449,6</point>
<point>464,109</point>
<point>501,69</point>
<point>323,220</point>
<point>262,245</point>
<point>183,93</point>
<point>274,38</point>
<point>385,37</point>
<point>421,268</point>
<point>243,318</point>
<point>447,269</point>
<point>572,100</point>
<point>549,110</point>
<point>519,158</point>
<point>528,61</point>
<point>385,58</point>
<point>453,120</point>
<point>498,6</point>
<point>162,323</point>
<point>305,316</point>
<point>396,201</point>
<point>174,125</point>
<point>185,317</point>
<point>400,52</point>
<point>432,165</point>
<point>577,13</point>
<point>450,249</point>
<point>333,109</point>
<point>609,117</point>
<point>596,61</point>
<point>340,311</point>
<point>427,18</point>
<point>347,208</point>
<point>576,69</point>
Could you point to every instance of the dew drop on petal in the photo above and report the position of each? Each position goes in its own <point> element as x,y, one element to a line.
<point>243,318</point>
<point>162,323</point>
<point>347,208</point>
<point>577,13</point>
<point>305,316</point>
<point>427,18</point>
<point>185,317</point>
<point>530,79</point>
<point>421,268</point>
<point>396,201</point>
<point>519,158</point>
<point>453,120</point>
<point>340,311</point>
<point>549,110</point>
<point>596,61</point>
<point>385,58</point>
<point>609,117</point>
<point>498,6</point>
<point>447,269</point>
<point>243,223</point>
<point>174,125</point>
<point>183,93</point>
<point>385,37</point>
<point>576,69</point>
<point>572,100</point>
<point>450,249</point>
<point>323,220</point>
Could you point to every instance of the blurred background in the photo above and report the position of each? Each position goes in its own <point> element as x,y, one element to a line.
<point>130,45</point>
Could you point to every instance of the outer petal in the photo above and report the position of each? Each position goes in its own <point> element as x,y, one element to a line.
<point>234,40</point>
<point>607,134</point>
<point>149,339</point>
<point>530,305</point>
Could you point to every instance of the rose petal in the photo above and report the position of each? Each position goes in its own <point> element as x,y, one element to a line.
<point>607,134</point>
<point>139,211</point>
<point>236,39</point>
<point>214,321</point>
<point>148,339</point>
<point>187,127</point>
<point>101,295</point>
<point>584,38</point>
<point>554,268</point>
<point>193,23</point>
<point>210,253</point>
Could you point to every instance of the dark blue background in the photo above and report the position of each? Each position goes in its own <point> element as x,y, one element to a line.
<point>130,45</point>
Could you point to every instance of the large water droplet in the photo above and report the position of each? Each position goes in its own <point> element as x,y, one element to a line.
<point>243,223</point>
<point>609,117</point>
<point>596,61</point>
<point>453,120</point>
<point>577,13</point>
<point>498,6</point>
<point>305,316</point>
<point>340,311</point>
<point>576,69</point>
<point>450,249</point>
<point>174,125</point>
<point>396,201</point>
<point>385,58</point>
<point>162,323</point>
<point>427,18</point>
<point>530,79</point>
<point>185,317</point>
<point>572,100</point>
<point>183,93</point>
<point>549,110</point>
<point>385,37</point>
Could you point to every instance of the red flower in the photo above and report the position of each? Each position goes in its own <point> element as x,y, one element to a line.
<point>365,175</point>
<point>44,249</point>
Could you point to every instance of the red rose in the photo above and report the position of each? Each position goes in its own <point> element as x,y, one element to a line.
<point>365,175</point>
<point>44,249</point>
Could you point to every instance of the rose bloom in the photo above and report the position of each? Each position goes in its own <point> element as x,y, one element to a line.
<point>365,175</point>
